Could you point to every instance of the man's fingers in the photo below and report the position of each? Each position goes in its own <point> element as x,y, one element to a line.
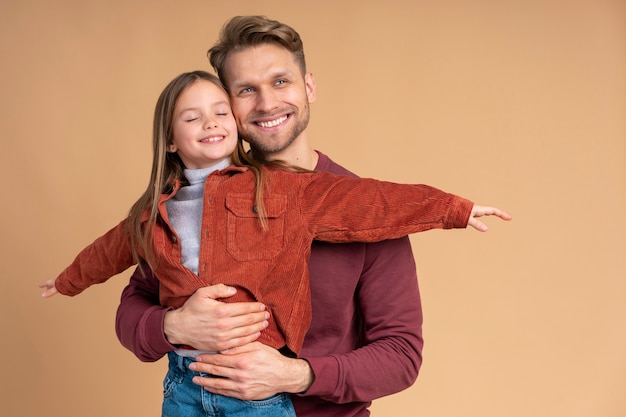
<point>243,335</point>
<point>246,322</point>
<point>216,291</point>
<point>236,342</point>
<point>221,386</point>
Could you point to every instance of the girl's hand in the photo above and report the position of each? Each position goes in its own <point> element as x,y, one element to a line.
<point>479,211</point>
<point>50,288</point>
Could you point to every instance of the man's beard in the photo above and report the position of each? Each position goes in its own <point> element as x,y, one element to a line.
<point>268,143</point>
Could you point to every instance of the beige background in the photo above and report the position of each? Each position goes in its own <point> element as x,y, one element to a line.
<point>519,104</point>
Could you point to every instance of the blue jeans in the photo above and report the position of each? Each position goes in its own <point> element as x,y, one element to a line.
<point>183,398</point>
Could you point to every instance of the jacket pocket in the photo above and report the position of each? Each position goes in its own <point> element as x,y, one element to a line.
<point>246,240</point>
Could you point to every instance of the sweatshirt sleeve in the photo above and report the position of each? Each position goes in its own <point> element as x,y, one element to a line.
<point>343,209</point>
<point>390,357</point>
<point>139,319</point>
<point>107,256</point>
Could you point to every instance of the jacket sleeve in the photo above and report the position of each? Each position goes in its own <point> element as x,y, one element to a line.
<point>390,357</point>
<point>139,319</point>
<point>107,256</point>
<point>343,209</point>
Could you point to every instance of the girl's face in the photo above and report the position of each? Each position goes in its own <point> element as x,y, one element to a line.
<point>204,129</point>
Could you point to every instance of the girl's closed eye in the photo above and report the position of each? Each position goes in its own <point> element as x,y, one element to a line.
<point>223,110</point>
<point>189,116</point>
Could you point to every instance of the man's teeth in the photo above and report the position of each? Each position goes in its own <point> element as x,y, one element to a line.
<point>273,122</point>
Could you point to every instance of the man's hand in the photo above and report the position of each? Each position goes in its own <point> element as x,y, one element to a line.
<point>252,372</point>
<point>479,211</point>
<point>208,324</point>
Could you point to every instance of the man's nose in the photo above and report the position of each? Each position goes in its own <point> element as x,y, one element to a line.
<point>266,100</point>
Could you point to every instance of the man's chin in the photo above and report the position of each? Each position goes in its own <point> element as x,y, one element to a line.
<point>269,145</point>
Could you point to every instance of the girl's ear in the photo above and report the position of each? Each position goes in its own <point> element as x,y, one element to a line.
<point>171,148</point>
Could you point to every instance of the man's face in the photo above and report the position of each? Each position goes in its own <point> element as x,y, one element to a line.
<point>269,95</point>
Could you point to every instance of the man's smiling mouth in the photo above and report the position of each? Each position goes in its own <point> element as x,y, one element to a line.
<point>273,123</point>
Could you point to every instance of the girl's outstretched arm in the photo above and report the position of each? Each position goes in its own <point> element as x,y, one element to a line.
<point>50,288</point>
<point>479,211</point>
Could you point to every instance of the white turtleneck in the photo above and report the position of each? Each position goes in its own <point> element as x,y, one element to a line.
<point>185,213</point>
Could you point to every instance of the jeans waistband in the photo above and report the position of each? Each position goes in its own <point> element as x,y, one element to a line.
<point>181,362</point>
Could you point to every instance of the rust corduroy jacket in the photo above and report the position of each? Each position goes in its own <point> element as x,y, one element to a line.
<point>271,266</point>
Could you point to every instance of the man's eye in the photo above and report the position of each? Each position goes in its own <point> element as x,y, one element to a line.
<point>247,90</point>
<point>279,82</point>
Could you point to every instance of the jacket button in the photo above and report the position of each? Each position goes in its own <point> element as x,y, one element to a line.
<point>255,209</point>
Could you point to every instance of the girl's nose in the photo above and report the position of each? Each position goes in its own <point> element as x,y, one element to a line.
<point>210,123</point>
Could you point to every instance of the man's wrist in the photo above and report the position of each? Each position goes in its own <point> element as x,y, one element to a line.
<point>305,376</point>
<point>170,324</point>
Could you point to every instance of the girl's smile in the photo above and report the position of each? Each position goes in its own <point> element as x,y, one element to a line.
<point>204,128</point>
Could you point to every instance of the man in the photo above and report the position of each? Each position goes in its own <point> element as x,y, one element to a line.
<point>365,340</point>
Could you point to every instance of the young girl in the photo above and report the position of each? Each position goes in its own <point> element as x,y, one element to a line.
<point>212,214</point>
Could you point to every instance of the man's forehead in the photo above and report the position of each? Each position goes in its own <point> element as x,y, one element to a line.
<point>257,63</point>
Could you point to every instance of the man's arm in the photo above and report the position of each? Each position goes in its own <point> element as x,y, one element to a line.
<point>150,331</point>
<point>139,319</point>
<point>389,357</point>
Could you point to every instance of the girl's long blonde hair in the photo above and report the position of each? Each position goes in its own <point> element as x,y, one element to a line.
<point>167,167</point>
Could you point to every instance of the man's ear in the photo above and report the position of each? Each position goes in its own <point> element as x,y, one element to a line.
<point>309,84</point>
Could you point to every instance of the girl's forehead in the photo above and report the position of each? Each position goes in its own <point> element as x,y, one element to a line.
<point>203,91</point>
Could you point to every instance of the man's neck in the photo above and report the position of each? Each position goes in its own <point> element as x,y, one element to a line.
<point>299,154</point>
